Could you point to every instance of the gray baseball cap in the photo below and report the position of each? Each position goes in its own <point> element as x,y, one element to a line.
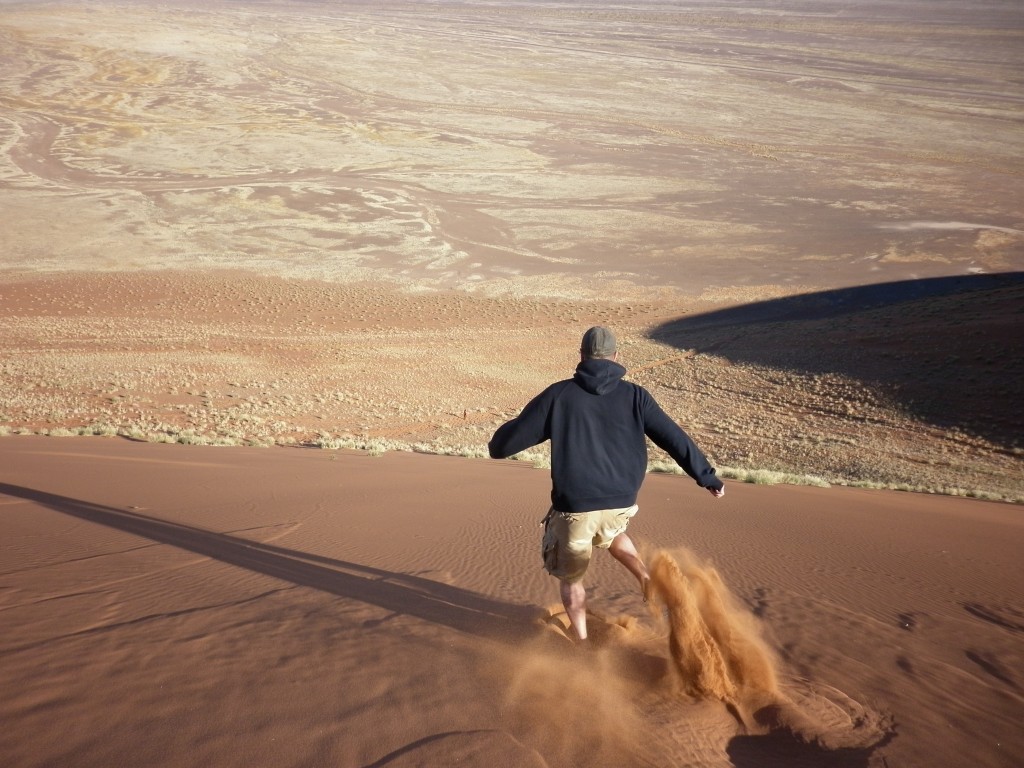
<point>598,342</point>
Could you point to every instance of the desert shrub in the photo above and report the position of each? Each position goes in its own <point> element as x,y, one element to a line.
<point>102,430</point>
<point>755,476</point>
<point>465,451</point>
<point>373,446</point>
<point>188,437</point>
<point>540,459</point>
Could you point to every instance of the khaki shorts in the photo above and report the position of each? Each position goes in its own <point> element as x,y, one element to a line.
<point>570,538</point>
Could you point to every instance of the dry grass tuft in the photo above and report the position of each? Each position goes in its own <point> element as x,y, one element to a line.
<point>269,362</point>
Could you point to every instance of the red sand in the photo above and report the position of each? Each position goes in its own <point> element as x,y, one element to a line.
<point>171,605</point>
<point>402,186</point>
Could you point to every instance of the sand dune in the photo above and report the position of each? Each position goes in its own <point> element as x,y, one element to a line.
<point>171,605</point>
<point>308,225</point>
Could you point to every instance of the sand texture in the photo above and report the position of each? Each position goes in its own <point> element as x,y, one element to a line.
<point>172,605</point>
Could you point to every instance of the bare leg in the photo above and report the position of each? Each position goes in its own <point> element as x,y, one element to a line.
<point>574,598</point>
<point>622,549</point>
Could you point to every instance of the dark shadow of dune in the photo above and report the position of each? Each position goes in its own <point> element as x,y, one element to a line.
<point>949,350</point>
<point>424,599</point>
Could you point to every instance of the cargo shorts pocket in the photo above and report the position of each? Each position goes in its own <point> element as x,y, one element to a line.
<point>549,544</point>
<point>549,553</point>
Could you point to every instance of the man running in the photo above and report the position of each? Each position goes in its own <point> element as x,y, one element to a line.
<point>597,424</point>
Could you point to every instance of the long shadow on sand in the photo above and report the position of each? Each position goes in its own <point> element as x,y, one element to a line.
<point>428,600</point>
<point>950,350</point>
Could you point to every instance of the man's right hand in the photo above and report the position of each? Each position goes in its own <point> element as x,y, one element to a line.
<point>717,492</point>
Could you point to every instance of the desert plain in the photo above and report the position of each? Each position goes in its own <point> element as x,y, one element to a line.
<point>272,273</point>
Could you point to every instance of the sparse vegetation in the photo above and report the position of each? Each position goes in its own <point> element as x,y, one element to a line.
<point>234,375</point>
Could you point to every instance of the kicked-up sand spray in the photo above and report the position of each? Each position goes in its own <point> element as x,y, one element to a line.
<point>715,645</point>
<point>717,649</point>
<point>644,694</point>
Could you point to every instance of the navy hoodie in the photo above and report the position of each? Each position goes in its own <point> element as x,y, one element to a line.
<point>596,423</point>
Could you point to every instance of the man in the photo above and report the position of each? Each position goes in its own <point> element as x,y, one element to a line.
<point>597,425</point>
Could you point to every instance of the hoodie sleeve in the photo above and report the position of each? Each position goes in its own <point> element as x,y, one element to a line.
<point>531,427</point>
<point>671,438</point>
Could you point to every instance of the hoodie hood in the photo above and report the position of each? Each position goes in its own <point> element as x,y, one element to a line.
<point>598,376</point>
